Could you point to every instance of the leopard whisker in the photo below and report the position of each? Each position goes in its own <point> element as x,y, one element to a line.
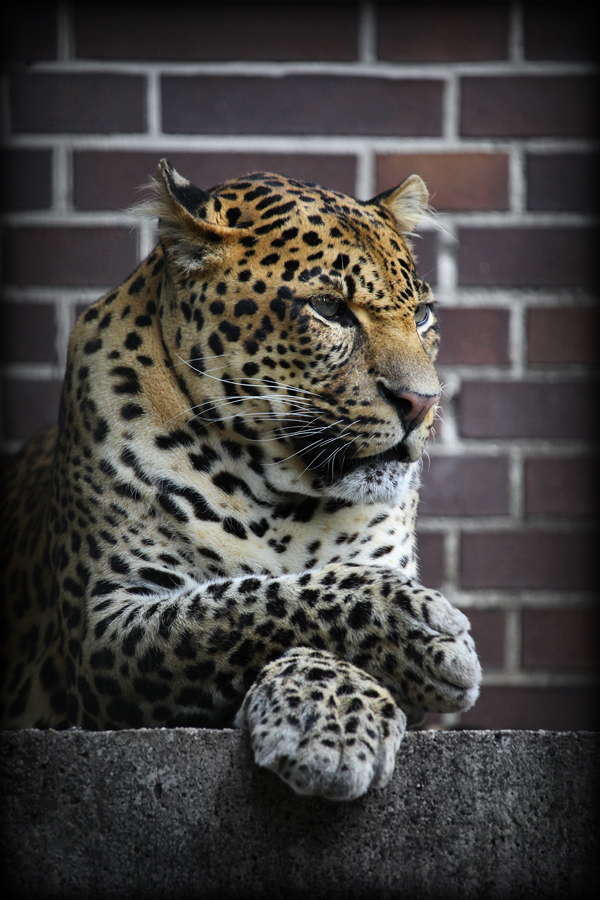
<point>271,382</point>
<point>328,441</point>
<point>300,411</point>
<point>304,449</point>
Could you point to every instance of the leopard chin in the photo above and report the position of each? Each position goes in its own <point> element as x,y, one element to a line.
<point>382,481</point>
<point>382,478</point>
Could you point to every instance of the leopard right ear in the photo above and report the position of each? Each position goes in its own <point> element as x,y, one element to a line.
<point>189,232</point>
<point>407,202</point>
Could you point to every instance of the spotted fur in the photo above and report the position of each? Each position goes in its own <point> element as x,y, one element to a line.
<point>222,527</point>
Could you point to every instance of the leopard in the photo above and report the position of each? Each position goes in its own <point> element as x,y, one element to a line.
<point>220,530</point>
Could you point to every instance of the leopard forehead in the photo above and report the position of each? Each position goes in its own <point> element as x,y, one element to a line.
<point>309,235</point>
<point>264,201</point>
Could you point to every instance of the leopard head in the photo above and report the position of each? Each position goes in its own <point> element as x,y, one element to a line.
<point>299,323</point>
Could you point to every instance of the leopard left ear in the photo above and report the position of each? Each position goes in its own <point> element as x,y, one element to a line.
<point>407,202</point>
<point>187,226</point>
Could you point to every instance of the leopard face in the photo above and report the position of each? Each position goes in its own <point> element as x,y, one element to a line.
<point>294,320</point>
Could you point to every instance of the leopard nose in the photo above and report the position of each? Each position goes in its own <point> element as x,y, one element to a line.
<point>411,406</point>
<point>415,407</point>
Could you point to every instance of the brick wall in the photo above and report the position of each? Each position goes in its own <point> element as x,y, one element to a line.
<point>495,106</point>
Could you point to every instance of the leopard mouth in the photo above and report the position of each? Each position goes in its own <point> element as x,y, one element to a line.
<point>332,473</point>
<point>397,453</point>
<point>331,459</point>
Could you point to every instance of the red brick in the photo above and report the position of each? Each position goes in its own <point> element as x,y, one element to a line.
<point>301,104</point>
<point>442,32</point>
<point>27,332</point>
<point>25,179</point>
<point>556,336</point>
<point>30,33</point>
<point>529,560</point>
<point>527,409</point>
<point>431,559</point>
<point>87,102</point>
<point>474,336</point>
<point>528,105</point>
<point>562,181</point>
<point>488,627</point>
<point>111,180</point>
<point>465,486</point>
<point>424,250</point>
<point>79,309</point>
<point>560,639</point>
<point>218,31</point>
<point>29,406</point>
<point>561,487</point>
<point>68,256</point>
<point>456,181</point>
<point>534,708</point>
<point>528,257</point>
<point>559,31</point>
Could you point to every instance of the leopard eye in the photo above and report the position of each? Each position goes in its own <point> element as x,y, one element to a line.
<point>422,313</point>
<point>328,307</point>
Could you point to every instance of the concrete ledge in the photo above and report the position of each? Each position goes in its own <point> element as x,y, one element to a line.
<point>184,813</point>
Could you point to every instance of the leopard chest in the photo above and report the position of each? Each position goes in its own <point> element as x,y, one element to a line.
<point>285,539</point>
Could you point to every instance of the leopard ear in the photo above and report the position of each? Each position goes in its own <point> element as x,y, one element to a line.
<point>407,202</point>
<point>187,226</point>
<point>175,190</point>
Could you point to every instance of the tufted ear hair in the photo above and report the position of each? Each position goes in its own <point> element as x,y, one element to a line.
<point>187,225</point>
<point>407,202</point>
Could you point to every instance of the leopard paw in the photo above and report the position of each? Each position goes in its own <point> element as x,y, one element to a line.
<point>440,671</point>
<point>324,726</point>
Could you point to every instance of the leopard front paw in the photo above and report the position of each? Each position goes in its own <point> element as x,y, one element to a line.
<point>324,726</point>
<point>454,672</point>
<point>437,669</point>
<point>441,673</point>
